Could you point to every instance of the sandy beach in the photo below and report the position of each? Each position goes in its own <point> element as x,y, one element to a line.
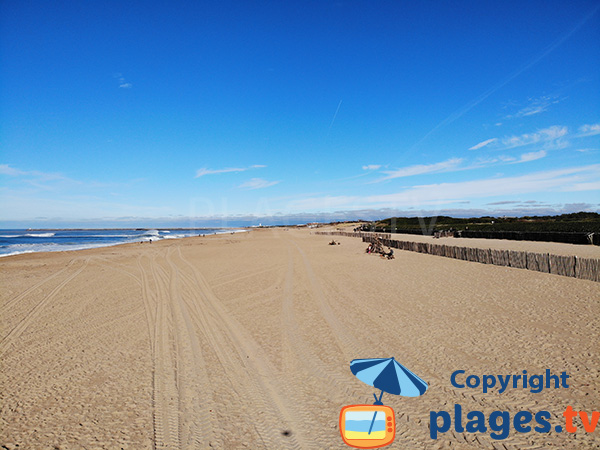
<point>244,341</point>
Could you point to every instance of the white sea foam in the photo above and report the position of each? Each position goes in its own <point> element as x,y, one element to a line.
<point>41,235</point>
<point>231,231</point>
<point>177,236</point>
<point>66,242</point>
<point>109,235</point>
<point>18,249</point>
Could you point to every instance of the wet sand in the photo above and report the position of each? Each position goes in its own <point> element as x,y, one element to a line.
<point>244,341</point>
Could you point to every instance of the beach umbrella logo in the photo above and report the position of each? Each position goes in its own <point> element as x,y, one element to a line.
<point>374,426</point>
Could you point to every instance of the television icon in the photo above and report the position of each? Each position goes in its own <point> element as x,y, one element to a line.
<point>367,426</point>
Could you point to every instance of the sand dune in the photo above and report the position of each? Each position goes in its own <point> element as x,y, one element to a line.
<point>245,341</point>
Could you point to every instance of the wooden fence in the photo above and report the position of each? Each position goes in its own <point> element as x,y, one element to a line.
<point>359,234</point>
<point>568,266</point>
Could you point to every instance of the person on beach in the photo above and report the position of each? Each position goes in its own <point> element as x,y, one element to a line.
<point>389,255</point>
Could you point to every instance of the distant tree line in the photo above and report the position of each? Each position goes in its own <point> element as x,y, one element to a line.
<point>580,228</point>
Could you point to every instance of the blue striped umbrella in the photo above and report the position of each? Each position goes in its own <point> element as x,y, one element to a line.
<point>388,375</point>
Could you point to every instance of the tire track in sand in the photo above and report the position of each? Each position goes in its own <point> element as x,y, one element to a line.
<point>165,394</point>
<point>18,329</point>
<point>310,360</point>
<point>149,301</point>
<point>346,341</point>
<point>39,284</point>
<point>262,387</point>
<point>195,393</point>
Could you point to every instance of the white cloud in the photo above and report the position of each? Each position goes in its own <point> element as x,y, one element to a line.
<point>546,135</point>
<point>535,106</point>
<point>591,186</point>
<point>563,180</point>
<point>205,171</point>
<point>326,203</point>
<point>551,138</point>
<point>531,110</point>
<point>372,167</point>
<point>257,183</point>
<point>122,83</point>
<point>421,169</point>
<point>556,180</point>
<point>589,130</point>
<point>5,169</point>
<point>483,144</point>
<point>532,156</point>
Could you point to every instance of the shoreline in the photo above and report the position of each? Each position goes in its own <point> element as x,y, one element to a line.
<point>115,229</point>
<point>99,245</point>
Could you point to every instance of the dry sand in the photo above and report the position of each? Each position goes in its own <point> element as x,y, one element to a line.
<point>245,341</point>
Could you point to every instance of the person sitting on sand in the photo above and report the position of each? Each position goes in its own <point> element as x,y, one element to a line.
<point>389,255</point>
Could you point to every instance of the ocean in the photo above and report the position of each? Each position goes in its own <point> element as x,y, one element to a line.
<point>14,242</point>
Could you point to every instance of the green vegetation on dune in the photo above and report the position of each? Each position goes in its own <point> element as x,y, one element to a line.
<point>587,222</point>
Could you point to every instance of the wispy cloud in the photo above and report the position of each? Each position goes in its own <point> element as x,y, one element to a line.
<point>506,158</point>
<point>6,169</point>
<point>56,182</point>
<point>589,186</point>
<point>123,84</point>
<point>325,203</point>
<point>372,167</point>
<point>563,180</point>
<point>535,106</point>
<point>483,144</point>
<point>335,114</point>
<point>205,171</point>
<point>257,183</point>
<point>546,135</point>
<point>552,137</point>
<point>504,202</point>
<point>421,169</point>
<point>530,203</point>
<point>476,101</point>
<point>532,156</point>
<point>589,130</point>
<point>579,178</point>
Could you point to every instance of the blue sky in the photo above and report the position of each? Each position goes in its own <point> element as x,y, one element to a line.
<point>183,113</point>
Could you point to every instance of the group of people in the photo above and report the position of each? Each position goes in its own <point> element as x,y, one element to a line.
<point>377,247</point>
